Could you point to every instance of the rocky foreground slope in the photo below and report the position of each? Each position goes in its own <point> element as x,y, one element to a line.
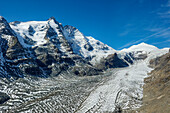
<point>157,86</point>
<point>47,67</point>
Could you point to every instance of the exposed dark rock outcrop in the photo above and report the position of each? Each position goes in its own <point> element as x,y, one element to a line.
<point>3,97</point>
<point>132,56</point>
<point>88,47</point>
<point>15,49</point>
<point>5,29</point>
<point>50,33</point>
<point>85,70</point>
<point>111,61</point>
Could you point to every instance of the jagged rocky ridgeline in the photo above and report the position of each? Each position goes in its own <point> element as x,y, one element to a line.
<point>46,48</point>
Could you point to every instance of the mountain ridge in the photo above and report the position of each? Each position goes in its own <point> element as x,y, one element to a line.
<point>48,47</point>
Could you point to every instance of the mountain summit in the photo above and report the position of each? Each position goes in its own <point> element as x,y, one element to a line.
<point>46,48</point>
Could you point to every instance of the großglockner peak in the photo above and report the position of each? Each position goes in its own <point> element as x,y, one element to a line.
<point>40,48</point>
<point>85,46</point>
<point>46,48</point>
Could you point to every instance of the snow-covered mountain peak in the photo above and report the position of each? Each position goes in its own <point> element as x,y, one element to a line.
<point>141,51</point>
<point>37,33</point>
<point>53,19</point>
<point>141,47</point>
<point>33,32</point>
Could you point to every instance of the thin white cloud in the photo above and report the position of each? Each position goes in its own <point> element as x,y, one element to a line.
<point>164,35</point>
<point>159,30</point>
<point>125,33</point>
<point>168,4</point>
<point>166,41</point>
<point>165,14</point>
<point>144,39</point>
<point>128,44</point>
<point>127,29</point>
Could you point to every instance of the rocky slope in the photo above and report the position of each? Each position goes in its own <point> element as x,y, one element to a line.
<point>157,86</point>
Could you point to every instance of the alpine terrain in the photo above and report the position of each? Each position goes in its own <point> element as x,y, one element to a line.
<point>47,67</point>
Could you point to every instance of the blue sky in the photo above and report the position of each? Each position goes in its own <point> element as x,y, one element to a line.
<point>118,23</point>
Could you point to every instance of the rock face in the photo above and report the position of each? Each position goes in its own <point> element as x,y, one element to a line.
<point>87,47</point>
<point>111,61</point>
<point>46,48</point>
<point>157,86</point>
<point>3,97</point>
<point>11,49</point>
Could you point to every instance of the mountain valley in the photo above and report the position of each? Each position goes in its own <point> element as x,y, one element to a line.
<point>47,67</point>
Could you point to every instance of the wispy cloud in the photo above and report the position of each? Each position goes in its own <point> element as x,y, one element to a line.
<point>128,28</point>
<point>168,3</point>
<point>146,38</point>
<point>166,41</point>
<point>160,30</point>
<point>126,32</point>
<point>166,13</point>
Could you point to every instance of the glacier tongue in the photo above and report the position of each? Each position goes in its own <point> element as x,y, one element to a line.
<point>124,88</point>
<point>128,81</point>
